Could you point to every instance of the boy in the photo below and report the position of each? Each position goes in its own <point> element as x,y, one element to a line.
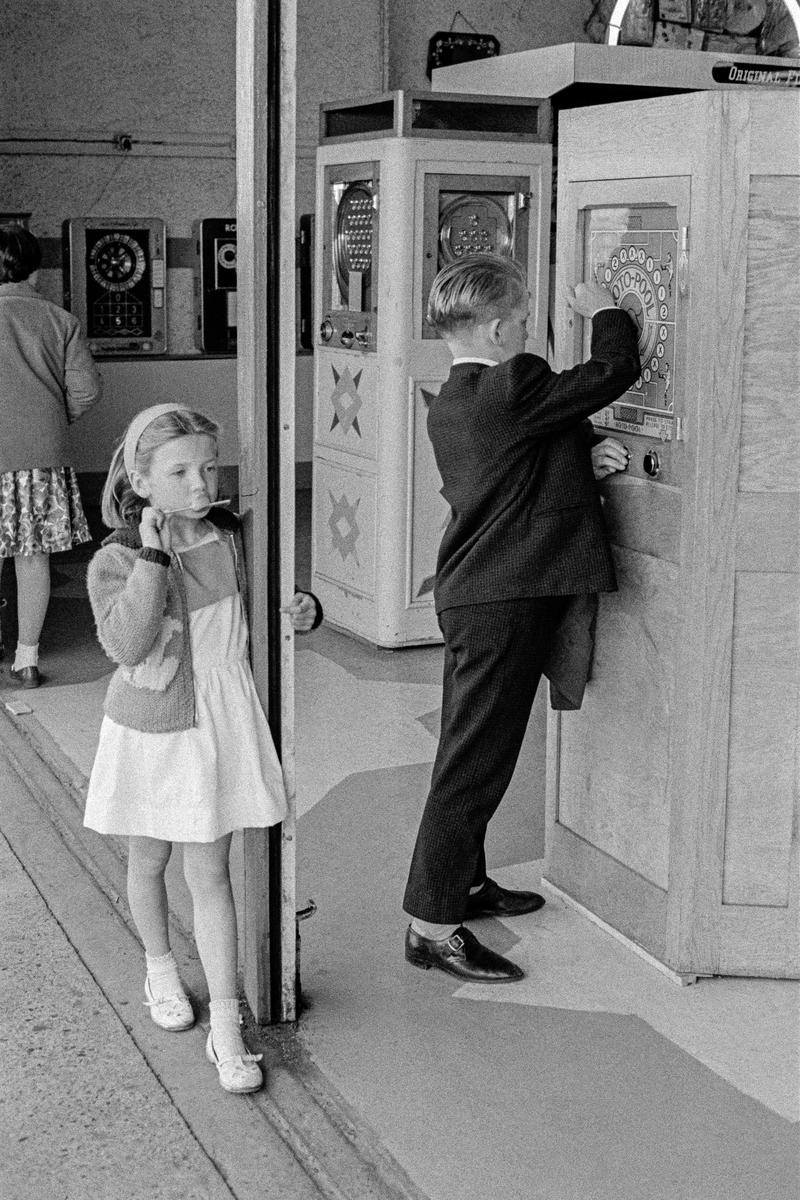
<point>526,535</point>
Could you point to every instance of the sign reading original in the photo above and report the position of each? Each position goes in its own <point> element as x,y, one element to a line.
<point>731,72</point>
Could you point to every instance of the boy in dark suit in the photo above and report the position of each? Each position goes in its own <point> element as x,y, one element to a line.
<point>525,537</point>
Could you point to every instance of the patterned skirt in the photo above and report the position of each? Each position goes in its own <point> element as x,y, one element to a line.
<point>40,511</point>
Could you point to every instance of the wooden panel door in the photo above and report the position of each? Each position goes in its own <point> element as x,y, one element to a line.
<point>759,915</point>
<point>609,764</point>
<point>673,794</point>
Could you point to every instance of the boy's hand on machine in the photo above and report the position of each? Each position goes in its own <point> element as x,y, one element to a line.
<point>587,298</point>
<point>609,456</point>
<point>154,530</point>
<point>302,611</point>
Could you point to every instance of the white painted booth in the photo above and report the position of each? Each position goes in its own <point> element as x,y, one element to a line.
<point>405,183</point>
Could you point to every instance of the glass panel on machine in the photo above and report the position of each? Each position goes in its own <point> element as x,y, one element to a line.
<point>352,243</point>
<point>350,257</point>
<point>633,250</point>
<point>472,214</point>
<point>475,224</point>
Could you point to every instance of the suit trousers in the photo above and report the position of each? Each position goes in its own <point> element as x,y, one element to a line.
<point>493,659</point>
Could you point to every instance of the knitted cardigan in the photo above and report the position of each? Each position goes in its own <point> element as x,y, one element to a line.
<point>141,611</point>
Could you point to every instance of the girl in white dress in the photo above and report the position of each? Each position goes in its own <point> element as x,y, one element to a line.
<point>185,753</point>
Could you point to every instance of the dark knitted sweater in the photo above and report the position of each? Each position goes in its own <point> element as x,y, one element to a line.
<point>516,470</point>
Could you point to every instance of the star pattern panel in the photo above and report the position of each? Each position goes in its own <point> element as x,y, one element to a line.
<point>345,526</point>
<point>346,412</point>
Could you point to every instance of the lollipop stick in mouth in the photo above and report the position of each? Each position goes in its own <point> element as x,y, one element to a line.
<point>191,508</point>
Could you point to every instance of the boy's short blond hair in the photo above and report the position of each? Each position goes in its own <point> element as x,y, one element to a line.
<point>474,289</point>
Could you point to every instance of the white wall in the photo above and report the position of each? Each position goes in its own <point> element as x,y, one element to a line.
<point>165,70</point>
<point>517,25</point>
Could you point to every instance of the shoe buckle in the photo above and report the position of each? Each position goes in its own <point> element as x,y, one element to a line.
<point>456,942</point>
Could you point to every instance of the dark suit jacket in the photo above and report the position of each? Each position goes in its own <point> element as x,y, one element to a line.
<point>517,472</point>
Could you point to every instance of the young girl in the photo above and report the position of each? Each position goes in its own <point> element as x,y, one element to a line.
<point>185,753</point>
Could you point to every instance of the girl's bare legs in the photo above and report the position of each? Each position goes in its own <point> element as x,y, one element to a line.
<point>205,866</point>
<point>147,896</point>
<point>33,597</point>
<point>147,892</point>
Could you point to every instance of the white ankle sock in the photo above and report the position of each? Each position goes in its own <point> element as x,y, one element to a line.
<point>163,975</point>
<point>226,1033</point>
<point>26,656</point>
<point>432,931</point>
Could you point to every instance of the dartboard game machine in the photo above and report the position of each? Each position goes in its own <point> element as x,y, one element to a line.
<point>406,183</point>
<point>115,283</point>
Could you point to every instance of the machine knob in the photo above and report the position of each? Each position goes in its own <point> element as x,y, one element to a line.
<point>346,337</point>
<point>326,330</point>
<point>363,337</point>
<point>652,464</point>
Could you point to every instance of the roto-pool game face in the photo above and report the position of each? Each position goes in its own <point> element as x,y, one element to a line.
<point>635,253</point>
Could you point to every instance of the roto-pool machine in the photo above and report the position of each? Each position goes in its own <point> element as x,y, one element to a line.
<point>673,800</point>
<point>406,183</point>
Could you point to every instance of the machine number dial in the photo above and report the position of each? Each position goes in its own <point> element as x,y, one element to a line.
<point>633,252</point>
<point>641,288</point>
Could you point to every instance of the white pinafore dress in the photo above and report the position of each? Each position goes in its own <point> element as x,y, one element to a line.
<point>195,785</point>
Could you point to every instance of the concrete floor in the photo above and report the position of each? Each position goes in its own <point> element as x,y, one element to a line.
<point>597,1077</point>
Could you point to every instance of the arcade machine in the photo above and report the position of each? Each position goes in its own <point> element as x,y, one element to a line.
<point>115,282</point>
<point>406,182</point>
<point>672,795</point>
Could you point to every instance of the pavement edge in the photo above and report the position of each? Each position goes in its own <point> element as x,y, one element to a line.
<point>299,1112</point>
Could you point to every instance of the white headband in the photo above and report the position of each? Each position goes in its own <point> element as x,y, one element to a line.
<point>138,426</point>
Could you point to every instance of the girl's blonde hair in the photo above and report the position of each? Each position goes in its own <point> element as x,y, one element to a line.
<point>120,505</point>
<point>474,289</point>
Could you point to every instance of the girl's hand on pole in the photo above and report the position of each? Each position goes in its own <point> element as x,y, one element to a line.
<point>154,530</point>
<point>302,611</point>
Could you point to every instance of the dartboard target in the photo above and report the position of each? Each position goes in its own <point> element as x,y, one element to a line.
<point>117,262</point>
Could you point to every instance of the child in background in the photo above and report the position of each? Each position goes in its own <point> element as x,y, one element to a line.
<point>47,380</point>
<point>185,753</point>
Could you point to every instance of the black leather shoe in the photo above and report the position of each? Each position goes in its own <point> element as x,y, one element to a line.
<point>26,677</point>
<point>461,955</point>
<point>495,901</point>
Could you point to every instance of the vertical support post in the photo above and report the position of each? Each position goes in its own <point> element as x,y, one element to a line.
<point>265,124</point>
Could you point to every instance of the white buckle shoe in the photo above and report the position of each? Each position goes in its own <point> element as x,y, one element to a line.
<point>174,1013</point>
<point>239,1073</point>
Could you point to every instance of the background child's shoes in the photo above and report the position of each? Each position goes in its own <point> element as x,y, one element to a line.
<point>26,677</point>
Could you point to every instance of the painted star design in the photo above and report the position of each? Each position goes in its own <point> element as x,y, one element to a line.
<point>346,401</point>
<point>343,525</point>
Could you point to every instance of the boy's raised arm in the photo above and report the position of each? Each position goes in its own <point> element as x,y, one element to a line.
<point>546,401</point>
